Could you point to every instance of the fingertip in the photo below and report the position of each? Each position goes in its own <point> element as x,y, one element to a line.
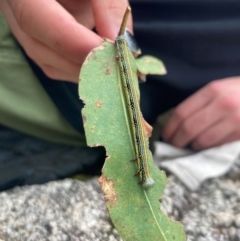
<point>52,25</point>
<point>108,17</point>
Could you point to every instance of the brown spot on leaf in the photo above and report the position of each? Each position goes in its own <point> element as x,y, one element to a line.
<point>141,77</point>
<point>147,128</point>
<point>92,129</point>
<point>99,103</point>
<point>84,118</point>
<point>136,53</point>
<point>85,62</point>
<point>93,54</point>
<point>148,60</point>
<point>107,186</point>
<point>107,72</point>
<point>96,145</point>
<point>108,40</point>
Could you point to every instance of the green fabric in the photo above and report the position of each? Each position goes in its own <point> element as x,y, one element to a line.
<point>24,104</point>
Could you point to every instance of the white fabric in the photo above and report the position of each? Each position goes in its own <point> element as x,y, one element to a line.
<point>193,168</point>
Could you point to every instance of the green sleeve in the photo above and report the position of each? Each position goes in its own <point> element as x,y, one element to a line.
<point>24,104</point>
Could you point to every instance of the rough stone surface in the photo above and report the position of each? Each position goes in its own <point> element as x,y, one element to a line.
<point>67,210</point>
<point>70,210</point>
<point>210,214</point>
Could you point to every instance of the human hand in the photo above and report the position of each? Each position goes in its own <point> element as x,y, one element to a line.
<point>210,117</point>
<point>57,34</point>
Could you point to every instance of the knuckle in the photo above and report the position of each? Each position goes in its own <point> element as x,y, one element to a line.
<point>116,5</point>
<point>50,72</point>
<point>187,130</point>
<point>20,15</point>
<point>179,114</point>
<point>31,53</point>
<point>236,118</point>
<point>228,102</point>
<point>200,142</point>
<point>215,87</point>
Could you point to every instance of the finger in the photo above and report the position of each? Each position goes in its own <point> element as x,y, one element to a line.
<point>80,10</point>
<point>190,106</point>
<point>45,56</point>
<point>230,138</point>
<point>57,74</point>
<point>51,24</point>
<point>222,132</point>
<point>108,16</point>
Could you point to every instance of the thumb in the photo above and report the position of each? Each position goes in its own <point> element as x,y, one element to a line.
<point>108,16</point>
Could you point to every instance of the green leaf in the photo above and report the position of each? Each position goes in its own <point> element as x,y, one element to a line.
<point>150,65</point>
<point>134,211</point>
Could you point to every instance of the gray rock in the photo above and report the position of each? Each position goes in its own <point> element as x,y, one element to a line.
<point>213,212</point>
<point>71,210</point>
<point>224,219</point>
<point>237,220</point>
<point>65,210</point>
